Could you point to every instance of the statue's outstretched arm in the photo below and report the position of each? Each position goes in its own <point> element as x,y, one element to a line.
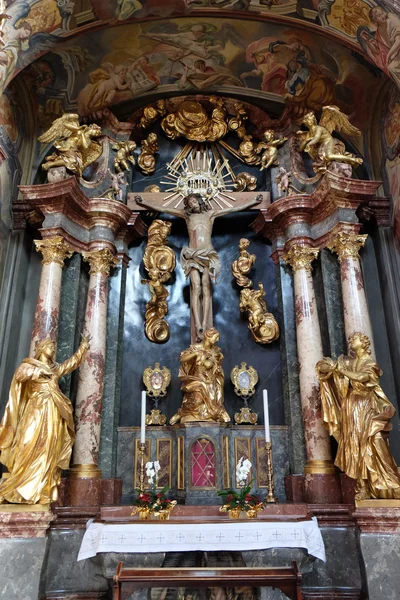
<point>225,211</point>
<point>159,207</point>
<point>75,360</point>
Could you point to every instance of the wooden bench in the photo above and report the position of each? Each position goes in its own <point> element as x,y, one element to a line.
<point>287,579</point>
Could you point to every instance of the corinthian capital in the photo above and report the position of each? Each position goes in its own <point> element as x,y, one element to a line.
<point>300,257</point>
<point>347,245</point>
<point>54,249</point>
<point>100,261</point>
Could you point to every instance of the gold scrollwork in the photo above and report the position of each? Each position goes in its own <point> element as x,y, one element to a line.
<point>242,266</point>
<point>146,159</point>
<point>192,121</point>
<point>262,323</point>
<point>159,261</point>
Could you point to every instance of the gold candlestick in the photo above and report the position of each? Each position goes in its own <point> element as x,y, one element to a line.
<point>142,448</point>
<point>271,498</point>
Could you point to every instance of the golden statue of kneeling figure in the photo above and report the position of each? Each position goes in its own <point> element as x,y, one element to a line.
<point>202,380</point>
<point>357,413</point>
<point>37,429</point>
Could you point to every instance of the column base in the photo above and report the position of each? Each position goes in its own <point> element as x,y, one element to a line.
<point>91,492</point>
<point>314,488</point>
<point>82,471</point>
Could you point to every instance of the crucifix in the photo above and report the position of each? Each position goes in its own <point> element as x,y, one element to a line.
<point>199,260</point>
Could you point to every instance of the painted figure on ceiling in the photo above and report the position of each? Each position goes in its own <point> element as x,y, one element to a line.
<point>383,44</point>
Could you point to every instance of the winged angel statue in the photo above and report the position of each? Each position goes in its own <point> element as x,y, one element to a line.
<point>319,142</point>
<point>73,143</point>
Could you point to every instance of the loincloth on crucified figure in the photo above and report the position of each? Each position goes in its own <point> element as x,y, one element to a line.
<point>201,259</point>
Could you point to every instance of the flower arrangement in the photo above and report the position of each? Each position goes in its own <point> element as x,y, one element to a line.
<point>152,501</point>
<point>236,502</point>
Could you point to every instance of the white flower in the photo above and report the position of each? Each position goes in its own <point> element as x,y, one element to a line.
<point>157,466</point>
<point>242,470</point>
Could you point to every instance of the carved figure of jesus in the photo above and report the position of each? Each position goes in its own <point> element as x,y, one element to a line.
<point>199,260</point>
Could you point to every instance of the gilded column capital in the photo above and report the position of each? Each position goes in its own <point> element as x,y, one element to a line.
<point>347,245</point>
<point>54,250</point>
<point>300,257</point>
<point>100,261</point>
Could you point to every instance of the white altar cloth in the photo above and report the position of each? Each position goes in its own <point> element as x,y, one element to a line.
<point>167,536</point>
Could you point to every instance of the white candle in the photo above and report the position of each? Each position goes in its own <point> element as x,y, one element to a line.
<point>266,417</point>
<point>143,419</point>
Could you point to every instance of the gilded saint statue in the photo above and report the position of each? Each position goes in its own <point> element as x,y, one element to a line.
<point>357,413</point>
<point>202,380</point>
<point>37,429</point>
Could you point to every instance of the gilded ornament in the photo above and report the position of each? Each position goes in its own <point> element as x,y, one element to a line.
<point>54,250</point>
<point>37,429</point>
<point>159,261</point>
<point>245,415</point>
<point>156,380</point>
<point>319,142</point>
<point>192,121</point>
<point>124,157</point>
<point>74,146</point>
<point>300,257</point>
<point>357,413</point>
<point>262,323</point>
<point>242,266</point>
<point>347,245</point>
<point>100,261</point>
<point>117,187</point>
<point>202,378</point>
<point>244,181</point>
<point>156,417</point>
<point>152,112</point>
<point>146,159</point>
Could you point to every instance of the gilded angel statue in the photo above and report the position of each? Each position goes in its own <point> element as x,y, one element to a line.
<point>270,146</point>
<point>319,142</point>
<point>73,143</point>
<point>124,155</point>
<point>262,323</point>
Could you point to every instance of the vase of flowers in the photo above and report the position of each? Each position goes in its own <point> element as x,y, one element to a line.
<point>235,503</point>
<point>153,502</point>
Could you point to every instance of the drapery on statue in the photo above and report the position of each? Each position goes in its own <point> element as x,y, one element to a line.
<point>319,142</point>
<point>202,380</point>
<point>199,260</point>
<point>75,148</point>
<point>37,429</point>
<point>357,413</point>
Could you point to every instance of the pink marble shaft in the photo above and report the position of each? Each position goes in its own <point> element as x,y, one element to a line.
<point>355,307</point>
<point>45,324</point>
<point>309,350</point>
<point>356,313</point>
<point>91,373</point>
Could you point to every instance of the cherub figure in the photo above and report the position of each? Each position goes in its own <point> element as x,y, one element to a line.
<point>146,159</point>
<point>116,190</point>
<point>262,323</point>
<point>319,143</point>
<point>242,266</point>
<point>270,147</point>
<point>73,143</point>
<point>124,155</point>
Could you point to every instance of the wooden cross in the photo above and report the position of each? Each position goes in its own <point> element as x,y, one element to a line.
<point>199,259</point>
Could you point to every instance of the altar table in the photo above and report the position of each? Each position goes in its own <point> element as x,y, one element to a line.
<point>167,536</point>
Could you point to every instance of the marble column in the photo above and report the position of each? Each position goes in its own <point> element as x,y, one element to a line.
<point>54,250</point>
<point>91,378</point>
<point>356,314</point>
<point>321,482</point>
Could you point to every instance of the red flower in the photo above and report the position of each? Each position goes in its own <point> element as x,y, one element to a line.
<point>229,498</point>
<point>249,498</point>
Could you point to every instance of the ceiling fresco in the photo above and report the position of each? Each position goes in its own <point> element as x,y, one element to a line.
<point>30,28</point>
<point>268,61</point>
